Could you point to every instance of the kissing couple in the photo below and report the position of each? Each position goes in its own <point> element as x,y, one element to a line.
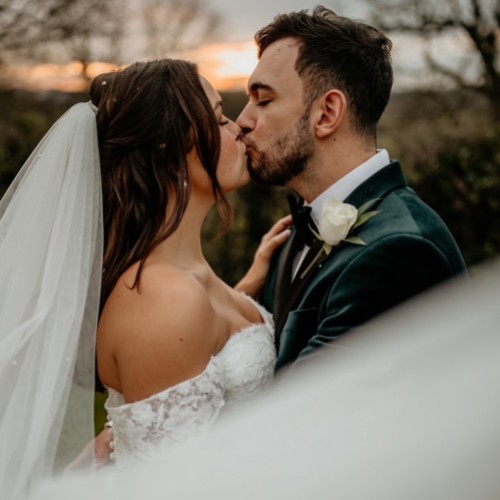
<point>101,255</point>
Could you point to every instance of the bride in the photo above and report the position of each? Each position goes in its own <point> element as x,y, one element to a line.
<point>174,343</point>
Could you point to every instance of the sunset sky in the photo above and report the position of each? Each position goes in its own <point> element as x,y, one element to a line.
<point>228,61</point>
<point>226,65</point>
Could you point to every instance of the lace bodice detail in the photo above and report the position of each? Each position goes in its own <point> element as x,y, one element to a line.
<point>244,367</point>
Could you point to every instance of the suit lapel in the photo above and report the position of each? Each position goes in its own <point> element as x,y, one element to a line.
<point>295,288</point>
<point>287,293</point>
<point>284,275</point>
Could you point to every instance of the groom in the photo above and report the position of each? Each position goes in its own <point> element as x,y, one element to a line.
<point>315,97</point>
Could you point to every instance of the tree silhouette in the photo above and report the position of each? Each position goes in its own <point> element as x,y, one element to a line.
<point>478,21</point>
<point>174,25</point>
<point>88,30</point>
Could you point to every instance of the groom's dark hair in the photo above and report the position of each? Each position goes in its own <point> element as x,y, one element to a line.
<point>338,52</point>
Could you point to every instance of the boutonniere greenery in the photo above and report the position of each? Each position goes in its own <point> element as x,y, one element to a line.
<point>337,222</point>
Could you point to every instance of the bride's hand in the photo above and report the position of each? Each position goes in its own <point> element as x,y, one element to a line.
<point>254,279</point>
<point>103,448</point>
<point>97,452</point>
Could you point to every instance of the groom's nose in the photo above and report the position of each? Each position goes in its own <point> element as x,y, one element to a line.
<point>244,121</point>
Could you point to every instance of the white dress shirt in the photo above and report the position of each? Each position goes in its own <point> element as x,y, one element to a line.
<point>341,190</point>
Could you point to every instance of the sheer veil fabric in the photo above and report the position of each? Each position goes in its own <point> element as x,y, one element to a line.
<point>50,275</point>
<point>406,408</point>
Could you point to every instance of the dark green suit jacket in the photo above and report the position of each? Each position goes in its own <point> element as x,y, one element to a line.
<point>408,250</point>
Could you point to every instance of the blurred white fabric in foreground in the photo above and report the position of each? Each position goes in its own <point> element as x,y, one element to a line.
<point>406,408</point>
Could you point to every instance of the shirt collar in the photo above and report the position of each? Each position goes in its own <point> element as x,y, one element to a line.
<point>347,184</point>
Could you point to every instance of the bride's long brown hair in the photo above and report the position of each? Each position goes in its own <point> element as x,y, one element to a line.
<point>150,116</point>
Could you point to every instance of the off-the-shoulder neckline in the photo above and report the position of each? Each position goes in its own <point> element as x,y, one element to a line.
<point>266,322</point>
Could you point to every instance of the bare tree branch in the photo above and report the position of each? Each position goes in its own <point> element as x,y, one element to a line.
<point>479,20</point>
<point>66,27</point>
<point>89,30</point>
<point>172,25</point>
<point>456,77</point>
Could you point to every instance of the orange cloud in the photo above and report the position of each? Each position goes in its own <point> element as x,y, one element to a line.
<point>226,66</point>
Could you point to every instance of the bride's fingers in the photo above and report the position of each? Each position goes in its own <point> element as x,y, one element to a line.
<point>279,226</point>
<point>278,240</point>
<point>274,238</point>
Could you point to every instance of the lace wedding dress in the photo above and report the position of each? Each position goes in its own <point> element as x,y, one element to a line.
<point>156,425</point>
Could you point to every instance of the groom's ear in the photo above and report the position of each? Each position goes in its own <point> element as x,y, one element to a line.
<point>330,113</point>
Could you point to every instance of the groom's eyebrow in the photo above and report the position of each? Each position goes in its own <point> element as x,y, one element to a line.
<point>256,86</point>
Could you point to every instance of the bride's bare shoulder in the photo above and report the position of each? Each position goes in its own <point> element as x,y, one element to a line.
<point>163,290</point>
<point>159,333</point>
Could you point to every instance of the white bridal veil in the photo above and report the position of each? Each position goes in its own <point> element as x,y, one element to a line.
<point>407,408</point>
<point>50,268</point>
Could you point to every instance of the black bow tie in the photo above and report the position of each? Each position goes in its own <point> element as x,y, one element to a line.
<point>302,221</point>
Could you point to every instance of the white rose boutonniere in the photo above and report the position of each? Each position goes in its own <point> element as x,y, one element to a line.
<point>337,221</point>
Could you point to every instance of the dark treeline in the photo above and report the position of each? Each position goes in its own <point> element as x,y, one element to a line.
<point>448,145</point>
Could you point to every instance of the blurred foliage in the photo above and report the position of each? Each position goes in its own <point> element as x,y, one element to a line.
<point>449,148</point>
<point>446,142</point>
<point>462,181</point>
<point>24,118</point>
<point>100,416</point>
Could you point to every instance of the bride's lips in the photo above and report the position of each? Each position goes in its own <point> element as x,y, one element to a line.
<point>248,146</point>
<point>243,146</point>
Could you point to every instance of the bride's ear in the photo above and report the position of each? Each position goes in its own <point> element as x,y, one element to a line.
<point>330,113</point>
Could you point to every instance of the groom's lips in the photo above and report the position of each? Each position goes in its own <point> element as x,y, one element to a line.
<point>248,153</point>
<point>250,149</point>
<point>248,146</point>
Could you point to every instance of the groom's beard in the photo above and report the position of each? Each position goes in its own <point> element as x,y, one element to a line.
<point>286,159</point>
